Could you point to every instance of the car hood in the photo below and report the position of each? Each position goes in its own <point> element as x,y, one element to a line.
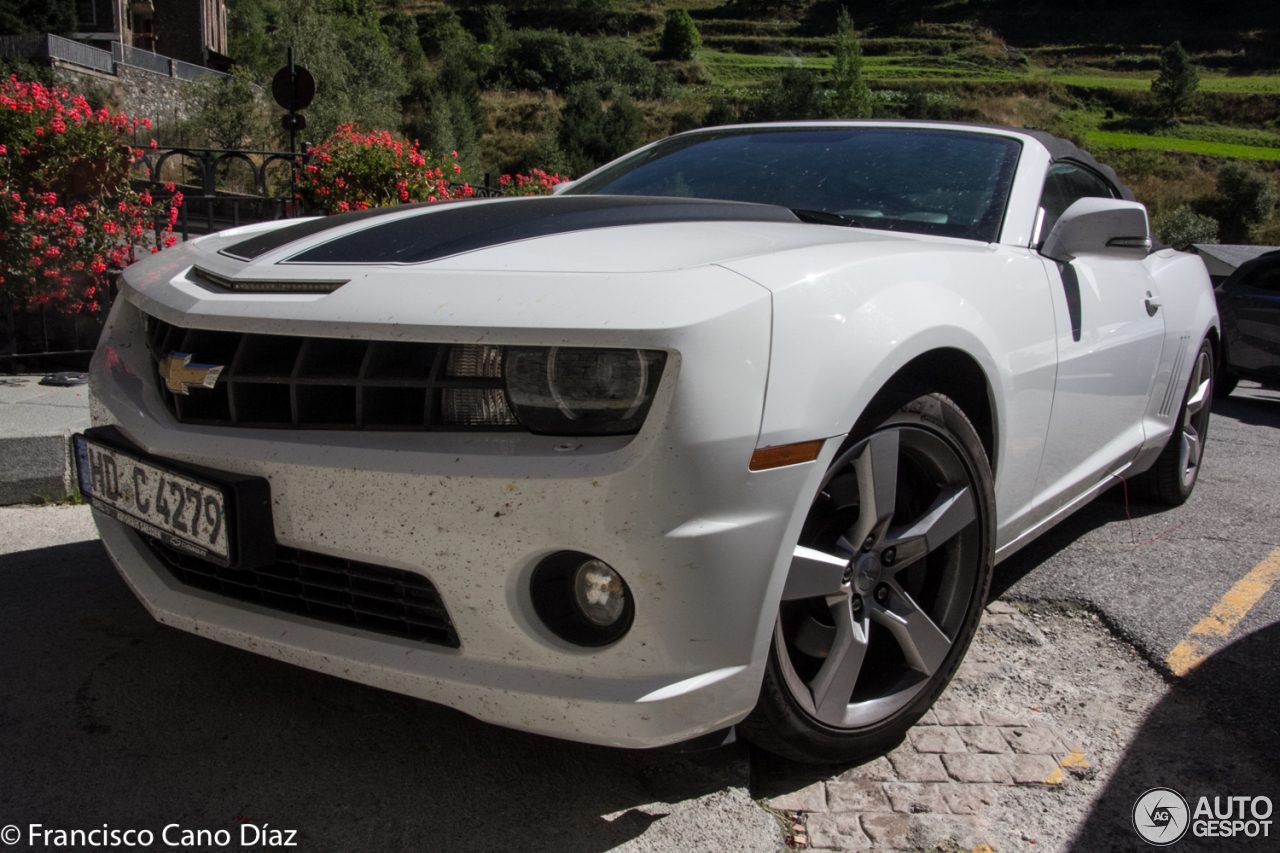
<point>602,234</point>
<point>667,266</point>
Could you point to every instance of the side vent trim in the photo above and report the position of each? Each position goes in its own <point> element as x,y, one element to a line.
<point>1171,392</point>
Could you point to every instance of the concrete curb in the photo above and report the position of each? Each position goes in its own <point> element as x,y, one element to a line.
<point>34,469</point>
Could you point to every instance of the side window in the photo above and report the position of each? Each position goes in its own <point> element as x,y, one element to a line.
<point>1264,277</point>
<point>1066,184</point>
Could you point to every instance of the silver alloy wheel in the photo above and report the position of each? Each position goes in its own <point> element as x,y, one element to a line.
<point>881,583</point>
<point>1195,420</point>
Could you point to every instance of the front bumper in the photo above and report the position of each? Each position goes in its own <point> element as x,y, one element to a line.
<point>702,542</point>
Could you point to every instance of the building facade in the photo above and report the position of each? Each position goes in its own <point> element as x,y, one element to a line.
<point>192,31</point>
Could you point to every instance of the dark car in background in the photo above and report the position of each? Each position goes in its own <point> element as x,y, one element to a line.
<point>1249,304</point>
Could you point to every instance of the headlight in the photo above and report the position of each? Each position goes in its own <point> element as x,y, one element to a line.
<point>581,391</point>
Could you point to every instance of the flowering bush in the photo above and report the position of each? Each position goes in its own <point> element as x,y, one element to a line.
<point>68,213</point>
<point>354,170</point>
<point>537,182</point>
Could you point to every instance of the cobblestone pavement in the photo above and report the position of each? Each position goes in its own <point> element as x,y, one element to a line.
<point>1011,757</point>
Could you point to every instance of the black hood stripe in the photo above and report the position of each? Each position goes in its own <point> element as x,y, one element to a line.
<point>247,250</point>
<point>466,227</point>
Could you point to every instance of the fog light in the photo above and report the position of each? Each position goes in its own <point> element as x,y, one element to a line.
<point>598,592</point>
<point>581,599</point>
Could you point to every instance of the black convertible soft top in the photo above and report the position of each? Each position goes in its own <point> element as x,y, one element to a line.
<point>1064,149</point>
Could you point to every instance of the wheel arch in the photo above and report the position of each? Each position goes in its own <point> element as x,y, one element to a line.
<point>950,371</point>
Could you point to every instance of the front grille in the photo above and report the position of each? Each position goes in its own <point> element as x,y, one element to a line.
<point>331,589</point>
<point>295,382</point>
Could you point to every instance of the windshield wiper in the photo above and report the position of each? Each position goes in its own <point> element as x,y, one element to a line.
<point>822,217</point>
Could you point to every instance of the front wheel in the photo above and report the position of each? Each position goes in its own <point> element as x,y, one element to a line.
<point>885,590</point>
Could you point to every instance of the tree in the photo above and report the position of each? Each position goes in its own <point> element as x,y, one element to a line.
<point>37,16</point>
<point>227,114</point>
<point>850,97</point>
<point>680,36</point>
<point>1177,82</point>
<point>358,78</point>
<point>793,95</point>
<point>591,136</point>
<point>447,114</point>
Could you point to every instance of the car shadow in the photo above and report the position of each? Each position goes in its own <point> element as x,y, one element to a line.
<point>1111,506</point>
<point>1108,508</point>
<point>1261,408</point>
<point>1195,741</point>
<point>110,717</point>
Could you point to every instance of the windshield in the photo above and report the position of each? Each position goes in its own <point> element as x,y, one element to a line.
<point>901,179</point>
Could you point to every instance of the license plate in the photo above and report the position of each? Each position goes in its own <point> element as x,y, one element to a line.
<point>176,508</point>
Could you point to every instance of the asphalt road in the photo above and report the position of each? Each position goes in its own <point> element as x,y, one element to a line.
<point>107,717</point>
<point>1153,594</point>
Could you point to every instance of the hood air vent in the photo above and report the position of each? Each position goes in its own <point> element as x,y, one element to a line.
<point>204,278</point>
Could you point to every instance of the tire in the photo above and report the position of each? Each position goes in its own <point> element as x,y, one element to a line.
<point>1225,385</point>
<point>880,606</point>
<point>1225,381</point>
<point>1170,480</point>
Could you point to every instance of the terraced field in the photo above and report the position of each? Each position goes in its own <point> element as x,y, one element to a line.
<point>1190,146</point>
<point>738,69</point>
<point>1254,84</point>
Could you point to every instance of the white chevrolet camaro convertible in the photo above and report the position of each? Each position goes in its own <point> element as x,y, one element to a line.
<point>730,432</point>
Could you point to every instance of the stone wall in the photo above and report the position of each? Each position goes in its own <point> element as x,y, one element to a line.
<point>137,93</point>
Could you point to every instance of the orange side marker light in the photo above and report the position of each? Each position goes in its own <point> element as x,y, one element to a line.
<point>786,454</point>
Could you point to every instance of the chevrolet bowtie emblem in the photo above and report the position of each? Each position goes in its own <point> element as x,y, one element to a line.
<point>179,374</point>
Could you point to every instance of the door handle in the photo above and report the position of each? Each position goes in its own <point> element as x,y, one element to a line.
<point>1153,304</point>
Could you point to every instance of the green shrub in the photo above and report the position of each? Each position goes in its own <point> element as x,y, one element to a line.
<point>722,112</point>
<point>37,16</point>
<point>549,60</point>
<point>1246,198</point>
<point>591,136</point>
<point>25,70</point>
<point>922,105</point>
<point>442,32</point>
<point>793,95</point>
<point>446,114</point>
<point>1182,226</point>
<point>227,114</point>
<point>680,36</point>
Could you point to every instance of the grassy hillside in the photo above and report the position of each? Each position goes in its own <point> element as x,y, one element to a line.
<point>492,82</point>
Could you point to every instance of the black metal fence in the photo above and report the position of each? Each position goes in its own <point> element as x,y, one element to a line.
<point>38,338</point>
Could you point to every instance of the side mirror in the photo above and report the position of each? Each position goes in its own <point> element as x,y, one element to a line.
<point>1100,226</point>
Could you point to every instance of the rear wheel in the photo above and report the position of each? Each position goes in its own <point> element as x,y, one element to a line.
<point>885,590</point>
<point>1171,479</point>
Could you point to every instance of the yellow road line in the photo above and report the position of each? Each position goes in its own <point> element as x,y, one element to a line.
<point>1224,616</point>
